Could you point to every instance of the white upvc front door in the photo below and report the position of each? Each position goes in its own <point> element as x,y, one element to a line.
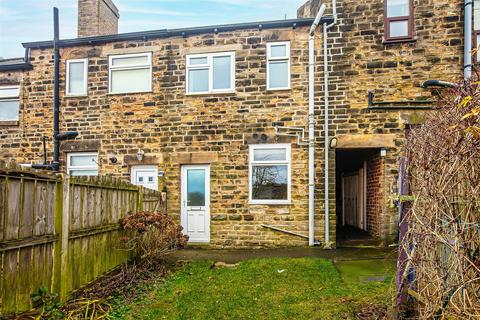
<point>146,176</point>
<point>195,202</point>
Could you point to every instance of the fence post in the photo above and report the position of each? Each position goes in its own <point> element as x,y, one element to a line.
<point>57,250</point>
<point>139,199</point>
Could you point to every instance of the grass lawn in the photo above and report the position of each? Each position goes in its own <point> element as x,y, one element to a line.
<point>275,288</point>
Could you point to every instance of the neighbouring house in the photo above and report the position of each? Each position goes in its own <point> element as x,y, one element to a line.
<point>219,116</point>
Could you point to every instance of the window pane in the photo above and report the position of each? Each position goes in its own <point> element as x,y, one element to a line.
<point>12,92</point>
<point>270,182</point>
<point>125,81</point>
<point>398,8</point>
<point>129,61</point>
<point>196,187</point>
<point>398,29</point>
<point>278,77</point>
<point>76,77</point>
<point>198,61</point>
<point>84,173</point>
<point>270,154</point>
<point>83,160</point>
<point>9,110</point>
<point>278,51</point>
<point>198,80</point>
<point>221,73</point>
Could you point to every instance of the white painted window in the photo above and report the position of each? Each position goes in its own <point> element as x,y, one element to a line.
<point>269,174</point>
<point>77,77</point>
<point>82,164</point>
<point>9,103</point>
<point>210,73</point>
<point>130,73</point>
<point>278,65</point>
<point>145,176</point>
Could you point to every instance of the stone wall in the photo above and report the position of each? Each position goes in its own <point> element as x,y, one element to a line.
<point>174,128</point>
<point>375,195</point>
<point>361,61</point>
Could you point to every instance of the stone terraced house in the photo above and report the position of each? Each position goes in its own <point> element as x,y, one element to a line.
<point>219,116</point>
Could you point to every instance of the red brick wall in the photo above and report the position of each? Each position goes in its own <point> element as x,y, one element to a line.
<point>375,194</point>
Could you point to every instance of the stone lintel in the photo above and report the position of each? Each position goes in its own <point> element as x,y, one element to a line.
<point>360,141</point>
<point>265,138</point>
<point>148,159</point>
<point>79,146</point>
<point>195,157</point>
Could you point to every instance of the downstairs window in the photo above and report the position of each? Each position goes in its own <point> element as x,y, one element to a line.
<point>270,180</point>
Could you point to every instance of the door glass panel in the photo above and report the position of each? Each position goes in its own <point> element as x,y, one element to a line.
<point>196,187</point>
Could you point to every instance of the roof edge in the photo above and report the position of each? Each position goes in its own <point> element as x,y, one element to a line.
<point>181,32</point>
<point>16,67</point>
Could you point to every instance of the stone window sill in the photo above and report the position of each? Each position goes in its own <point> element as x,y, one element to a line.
<point>9,123</point>
<point>212,94</point>
<point>406,40</point>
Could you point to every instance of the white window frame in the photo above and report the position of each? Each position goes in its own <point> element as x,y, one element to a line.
<point>209,66</point>
<point>76,168</point>
<point>11,97</point>
<point>111,68</point>
<point>253,163</point>
<point>271,59</point>
<point>85,78</point>
<point>134,169</point>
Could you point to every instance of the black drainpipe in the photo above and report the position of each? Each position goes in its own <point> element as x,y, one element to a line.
<point>56,92</point>
<point>57,137</point>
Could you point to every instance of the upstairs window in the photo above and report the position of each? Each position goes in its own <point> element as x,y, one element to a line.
<point>77,71</point>
<point>130,73</point>
<point>270,174</point>
<point>211,73</point>
<point>476,29</point>
<point>398,20</point>
<point>278,66</point>
<point>82,164</point>
<point>9,103</point>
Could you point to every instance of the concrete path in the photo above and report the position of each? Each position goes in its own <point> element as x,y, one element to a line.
<point>234,256</point>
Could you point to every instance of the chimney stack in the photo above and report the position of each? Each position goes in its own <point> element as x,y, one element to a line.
<point>97,17</point>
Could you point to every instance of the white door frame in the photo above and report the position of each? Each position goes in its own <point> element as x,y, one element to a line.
<point>185,208</point>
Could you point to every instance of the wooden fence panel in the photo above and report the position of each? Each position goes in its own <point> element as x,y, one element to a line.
<point>61,233</point>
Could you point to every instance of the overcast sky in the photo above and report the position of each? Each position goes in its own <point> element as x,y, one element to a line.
<point>31,20</point>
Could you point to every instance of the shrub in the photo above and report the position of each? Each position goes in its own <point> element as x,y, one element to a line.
<point>152,235</point>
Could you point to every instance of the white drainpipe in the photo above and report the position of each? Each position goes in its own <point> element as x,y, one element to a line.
<point>326,121</point>
<point>311,127</point>
<point>467,65</point>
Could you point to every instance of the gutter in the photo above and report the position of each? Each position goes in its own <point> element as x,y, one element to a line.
<point>168,33</point>
<point>311,127</point>
<point>17,66</point>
